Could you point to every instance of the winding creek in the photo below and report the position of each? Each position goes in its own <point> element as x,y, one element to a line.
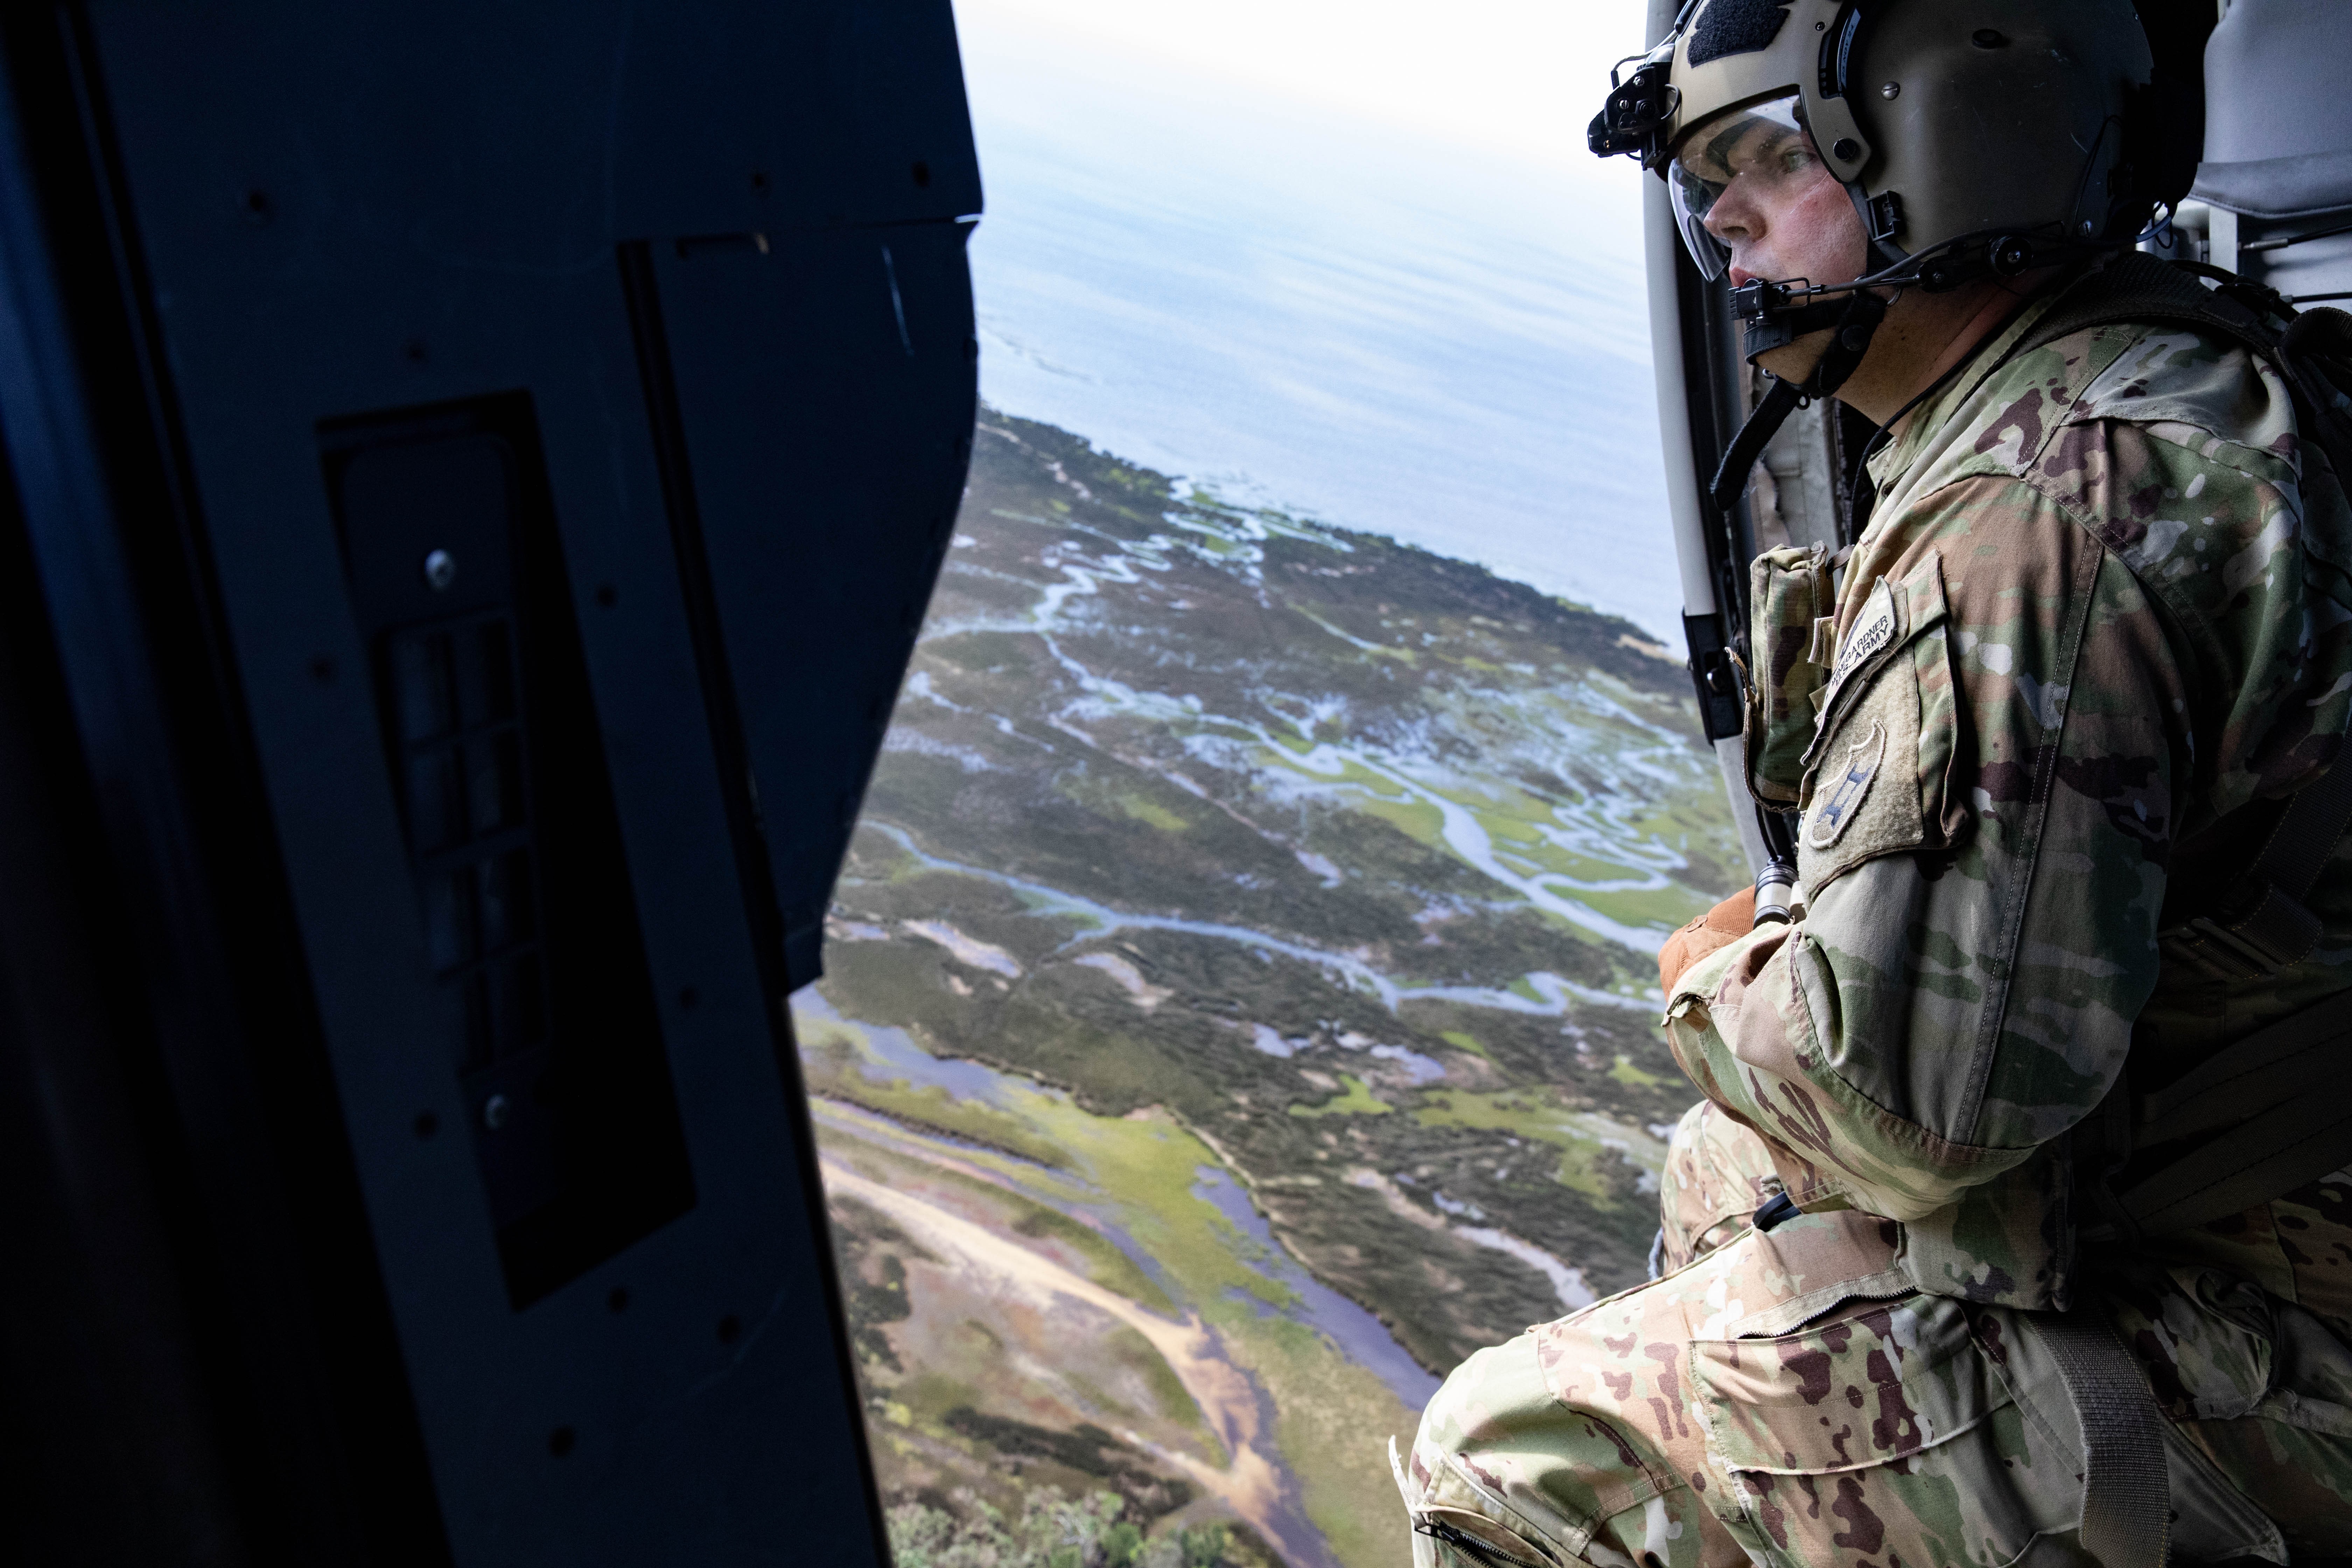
<point>1359,1336</point>
<point>1553,993</point>
<point>1594,827</point>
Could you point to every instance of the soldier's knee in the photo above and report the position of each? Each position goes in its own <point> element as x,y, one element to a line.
<point>1474,1451</point>
<point>1529,1451</point>
<point>1717,1174</point>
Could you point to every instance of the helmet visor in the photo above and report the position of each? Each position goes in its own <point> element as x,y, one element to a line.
<point>1757,154</point>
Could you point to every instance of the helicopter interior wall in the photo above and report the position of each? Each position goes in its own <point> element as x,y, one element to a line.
<point>2312,272</point>
<point>378,233</point>
<point>816,675</point>
<point>114,1450</point>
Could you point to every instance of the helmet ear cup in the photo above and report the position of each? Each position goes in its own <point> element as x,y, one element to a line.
<point>1999,117</point>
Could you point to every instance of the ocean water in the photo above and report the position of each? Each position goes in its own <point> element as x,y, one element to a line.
<point>1443,344</point>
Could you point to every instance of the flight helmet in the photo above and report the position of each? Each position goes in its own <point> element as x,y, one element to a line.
<point>1972,135</point>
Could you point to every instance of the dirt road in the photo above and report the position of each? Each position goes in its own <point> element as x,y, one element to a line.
<point>1253,1485</point>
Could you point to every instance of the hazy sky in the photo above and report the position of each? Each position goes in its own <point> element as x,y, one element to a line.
<point>1350,259</point>
<point>1519,77</point>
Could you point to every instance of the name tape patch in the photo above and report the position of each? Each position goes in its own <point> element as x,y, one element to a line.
<point>1872,631</point>
<point>1876,630</point>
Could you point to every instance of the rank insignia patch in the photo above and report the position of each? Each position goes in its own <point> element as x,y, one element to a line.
<point>1834,807</point>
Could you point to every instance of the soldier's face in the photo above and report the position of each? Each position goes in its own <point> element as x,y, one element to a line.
<point>1765,205</point>
<point>1783,215</point>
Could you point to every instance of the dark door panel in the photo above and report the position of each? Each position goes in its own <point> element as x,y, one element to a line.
<point>483,468</point>
<point>800,479</point>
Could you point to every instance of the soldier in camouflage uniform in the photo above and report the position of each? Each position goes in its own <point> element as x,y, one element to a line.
<point>2099,625</point>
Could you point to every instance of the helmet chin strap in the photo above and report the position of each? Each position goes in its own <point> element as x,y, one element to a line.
<point>1856,318</point>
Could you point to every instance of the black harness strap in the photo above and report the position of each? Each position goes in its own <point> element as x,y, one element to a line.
<point>2126,1517</point>
<point>2289,1146</point>
<point>2265,1070</point>
<point>1855,320</point>
<point>2270,1118</point>
<point>1755,435</point>
<point>2262,926</point>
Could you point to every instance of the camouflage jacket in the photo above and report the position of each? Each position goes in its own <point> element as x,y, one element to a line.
<point>2099,625</point>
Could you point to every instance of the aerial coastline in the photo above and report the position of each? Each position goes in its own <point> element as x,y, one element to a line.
<point>1249,926</point>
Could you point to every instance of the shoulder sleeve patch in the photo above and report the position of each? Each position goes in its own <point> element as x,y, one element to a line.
<point>1865,801</point>
<point>1863,797</point>
<point>1892,614</point>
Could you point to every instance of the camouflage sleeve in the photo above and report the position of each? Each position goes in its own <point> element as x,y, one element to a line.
<point>2183,458</point>
<point>1980,926</point>
<point>2097,612</point>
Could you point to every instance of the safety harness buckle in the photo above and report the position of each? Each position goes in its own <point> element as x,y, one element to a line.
<point>2269,931</point>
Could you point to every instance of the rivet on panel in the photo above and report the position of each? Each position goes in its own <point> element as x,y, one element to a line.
<point>440,569</point>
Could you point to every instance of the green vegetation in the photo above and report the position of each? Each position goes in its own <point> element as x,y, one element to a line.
<point>1087,1449</point>
<point>1152,815</point>
<point>1096,1256</point>
<point>1354,1100</point>
<point>1592,1151</point>
<point>1054,1532</point>
<point>1626,1072</point>
<point>874,1299</point>
<point>832,1058</point>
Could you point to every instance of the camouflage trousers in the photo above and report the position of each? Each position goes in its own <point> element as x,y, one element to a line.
<point>1789,1397</point>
